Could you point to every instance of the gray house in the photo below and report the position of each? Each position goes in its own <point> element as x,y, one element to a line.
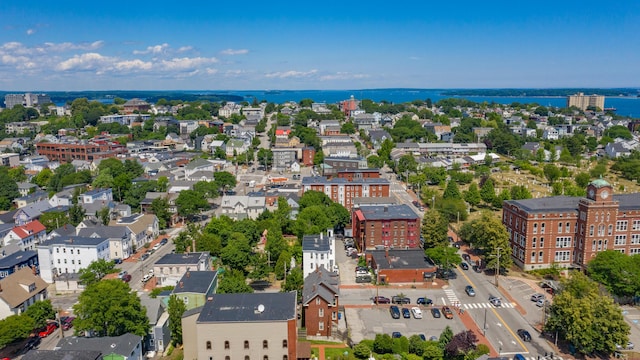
<point>159,335</point>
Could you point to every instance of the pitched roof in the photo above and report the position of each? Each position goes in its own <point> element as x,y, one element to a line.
<point>387,212</point>
<point>62,355</point>
<point>121,345</point>
<point>249,307</point>
<point>315,243</point>
<point>181,259</point>
<point>197,282</point>
<point>321,282</point>
<point>29,229</point>
<point>109,232</point>
<point>20,287</point>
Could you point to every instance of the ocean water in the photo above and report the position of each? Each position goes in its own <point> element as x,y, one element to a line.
<point>626,106</point>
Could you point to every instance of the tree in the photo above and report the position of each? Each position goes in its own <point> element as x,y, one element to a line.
<point>8,189</point>
<point>233,282</point>
<point>488,234</point>
<point>176,308</point>
<point>237,253</point>
<point>582,179</point>
<point>383,344</point>
<point>462,343</point>
<point>618,131</point>
<point>361,351</point>
<point>435,228</point>
<point>445,336</point>
<point>375,162</point>
<point>452,209</point>
<point>76,214</point>
<point>162,184</point>
<point>104,215</point>
<point>618,272</point>
<point>43,177</point>
<point>224,179</point>
<point>587,319</point>
<point>488,192</point>
<point>294,281</point>
<point>110,308</point>
<point>472,195</point>
<point>451,191</point>
<point>96,271</point>
<point>40,312</point>
<point>190,202</point>
<point>348,128</point>
<point>15,327</point>
<point>551,172</point>
<point>54,219</point>
<point>519,192</point>
<point>444,256</point>
<point>160,207</point>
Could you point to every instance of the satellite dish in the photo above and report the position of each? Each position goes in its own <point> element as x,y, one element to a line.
<point>260,308</point>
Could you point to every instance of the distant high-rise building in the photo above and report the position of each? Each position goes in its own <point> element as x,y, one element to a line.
<point>27,100</point>
<point>582,101</point>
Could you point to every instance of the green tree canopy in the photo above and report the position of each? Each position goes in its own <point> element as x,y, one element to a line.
<point>584,317</point>
<point>96,271</point>
<point>472,195</point>
<point>110,308</point>
<point>176,308</point>
<point>233,282</point>
<point>488,234</point>
<point>40,312</point>
<point>618,272</point>
<point>435,228</point>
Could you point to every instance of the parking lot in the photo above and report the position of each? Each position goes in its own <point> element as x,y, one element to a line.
<point>365,323</point>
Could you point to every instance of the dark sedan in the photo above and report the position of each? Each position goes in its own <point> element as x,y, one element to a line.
<point>435,312</point>
<point>406,313</point>
<point>380,300</point>
<point>524,335</point>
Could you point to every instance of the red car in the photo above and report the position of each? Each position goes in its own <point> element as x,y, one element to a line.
<point>67,322</point>
<point>48,330</point>
<point>126,277</point>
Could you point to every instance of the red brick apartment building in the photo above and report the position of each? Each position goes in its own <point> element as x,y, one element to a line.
<point>77,151</point>
<point>343,191</point>
<point>391,227</point>
<point>570,231</point>
<point>320,303</point>
<point>351,174</point>
<point>308,154</point>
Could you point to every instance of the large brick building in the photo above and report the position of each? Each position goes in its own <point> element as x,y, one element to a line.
<point>67,152</point>
<point>393,226</point>
<point>343,191</point>
<point>570,231</point>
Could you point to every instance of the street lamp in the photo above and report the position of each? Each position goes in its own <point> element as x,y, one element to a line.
<point>498,267</point>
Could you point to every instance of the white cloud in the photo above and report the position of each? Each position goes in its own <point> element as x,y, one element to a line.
<point>211,71</point>
<point>291,74</point>
<point>186,63</point>
<point>155,49</point>
<point>135,64</point>
<point>343,76</point>
<point>31,31</point>
<point>233,73</point>
<point>185,49</point>
<point>235,52</point>
<point>68,46</point>
<point>86,61</point>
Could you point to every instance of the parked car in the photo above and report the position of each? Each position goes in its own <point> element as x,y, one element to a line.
<point>144,256</point>
<point>524,334</point>
<point>164,241</point>
<point>67,321</point>
<point>406,313</point>
<point>435,312</point>
<point>541,302</point>
<point>147,277</point>
<point>156,247</point>
<point>424,301</point>
<point>422,337</point>
<point>495,301</point>
<point>447,312</point>
<point>32,343</point>
<point>361,279</point>
<point>629,346</point>
<point>48,330</point>
<point>380,300</point>
<point>121,274</point>
<point>396,335</point>
<point>537,297</point>
<point>362,273</point>
<point>466,257</point>
<point>476,268</point>
<point>126,278</point>
<point>394,311</point>
<point>362,268</point>
<point>400,300</point>
<point>446,274</point>
<point>469,290</point>
<point>117,261</point>
<point>464,266</point>
<point>417,313</point>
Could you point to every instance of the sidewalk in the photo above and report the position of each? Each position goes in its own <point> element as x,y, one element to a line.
<point>470,324</point>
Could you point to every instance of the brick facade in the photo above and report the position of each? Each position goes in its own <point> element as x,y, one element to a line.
<point>394,226</point>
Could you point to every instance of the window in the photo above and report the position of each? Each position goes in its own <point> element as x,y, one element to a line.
<point>265,344</point>
<point>246,357</point>
<point>321,325</point>
<point>610,232</point>
<point>542,228</point>
<point>591,229</point>
<point>285,357</point>
<point>318,300</point>
<point>265,357</point>
<point>533,242</point>
<point>621,225</point>
<point>568,227</point>
<point>562,256</point>
<point>540,257</point>
<point>559,228</point>
<point>620,240</point>
<point>284,343</point>
<point>541,242</point>
<point>227,357</point>
<point>246,344</point>
<point>533,256</point>
<point>535,228</point>
<point>185,299</point>
<point>634,251</point>
<point>581,229</point>
<point>635,239</point>
<point>601,230</point>
<point>563,241</point>
<point>226,345</point>
<point>208,345</point>
<point>321,312</point>
<point>636,225</point>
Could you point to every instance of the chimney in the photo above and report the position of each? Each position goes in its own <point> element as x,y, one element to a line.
<point>181,284</point>
<point>386,209</point>
<point>188,273</point>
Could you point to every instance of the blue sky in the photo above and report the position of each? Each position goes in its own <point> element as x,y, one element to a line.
<point>245,45</point>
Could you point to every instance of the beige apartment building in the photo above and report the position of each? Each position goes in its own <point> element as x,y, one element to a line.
<point>582,101</point>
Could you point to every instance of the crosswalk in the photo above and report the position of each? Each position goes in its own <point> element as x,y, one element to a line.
<point>486,306</point>
<point>451,296</point>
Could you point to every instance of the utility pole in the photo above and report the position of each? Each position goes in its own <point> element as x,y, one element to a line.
<point>498,267</point>
<point>484,327</point>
